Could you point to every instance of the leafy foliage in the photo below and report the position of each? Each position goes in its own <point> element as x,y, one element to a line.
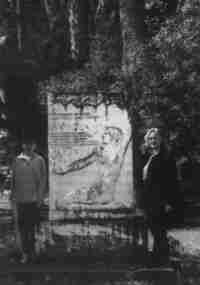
<point>170,80</point>
<point>165,79</point>
<point>102,71</point>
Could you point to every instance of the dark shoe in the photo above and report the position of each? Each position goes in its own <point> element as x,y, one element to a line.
<point>33,257</point>
<point>159,260</point>
<point>161,247</point>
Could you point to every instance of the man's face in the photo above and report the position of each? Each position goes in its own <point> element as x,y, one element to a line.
<point>28,147</point>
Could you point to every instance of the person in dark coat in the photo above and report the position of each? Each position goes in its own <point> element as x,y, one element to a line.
<point>160,189</point>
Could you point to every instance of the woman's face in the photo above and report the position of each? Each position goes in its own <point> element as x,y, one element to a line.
<point>154,141</point>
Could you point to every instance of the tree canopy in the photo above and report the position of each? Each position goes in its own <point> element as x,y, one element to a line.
<point>147,51</point>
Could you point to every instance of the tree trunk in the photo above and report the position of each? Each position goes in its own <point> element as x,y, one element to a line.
<point>19,25</point>
<point>49,14</point>
<point>133,35</point>
<point>78,19</point>
<point>106,42</point>
<point>3,6</point>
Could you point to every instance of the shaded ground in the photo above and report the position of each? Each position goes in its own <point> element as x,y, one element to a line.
<point>89,278</point>
<point>117,269</point>
<point>78,270</point>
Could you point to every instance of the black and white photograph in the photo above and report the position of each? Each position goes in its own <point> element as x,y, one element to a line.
<point>100,142</point>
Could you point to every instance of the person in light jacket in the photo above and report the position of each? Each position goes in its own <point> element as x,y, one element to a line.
<point>27,193</point>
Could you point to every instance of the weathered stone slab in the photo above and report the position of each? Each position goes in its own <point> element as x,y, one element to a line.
<point>90,155</point>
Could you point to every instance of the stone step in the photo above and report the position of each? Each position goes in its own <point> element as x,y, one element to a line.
<point>159,276</point>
